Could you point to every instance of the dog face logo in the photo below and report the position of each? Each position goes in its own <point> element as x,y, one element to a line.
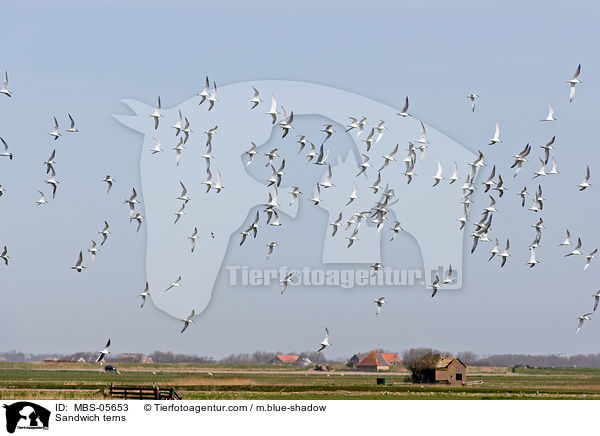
<point>26,415</point>
<point>222,216</point>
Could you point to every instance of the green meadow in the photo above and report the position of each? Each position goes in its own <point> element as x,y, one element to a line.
<point>59,380</point>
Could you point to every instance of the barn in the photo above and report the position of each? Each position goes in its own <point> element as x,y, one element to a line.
<point>392,359</point>
<point>373,361</point>
<point>450,370</point>
<point>285,359</point>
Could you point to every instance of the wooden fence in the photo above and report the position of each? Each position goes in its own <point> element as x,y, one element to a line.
<point>143,393</point>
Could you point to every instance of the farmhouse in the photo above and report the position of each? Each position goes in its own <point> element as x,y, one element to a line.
<point>373,361</point>
<point>285,359</point>
<point>450,370</point>
<point>290,359</point>
<point>303,361</point>
<point>392,359</point>
<point>355,359</point>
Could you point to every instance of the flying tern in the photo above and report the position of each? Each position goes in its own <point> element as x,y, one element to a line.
<point>496,139</point>
<point>572,82</point>
<point>104,232</point>
<point>581,319</point>
<point>379,302</point>
<point>255,100</point>
<point>109,181</point>
<point>187,321</point>
<point>105,352</point>
<point>72,129</point>
<point>156,114</point>
<point>94,250</point>
<point>144,294</point>
<point>550,116</point>
<point>325,342</point>
<point>4,89</point>
<point>175,284</point>
<point>472,97</point>
<point>78,265</point>
<point>404,112</point>
<point>585,183</point>
<point>204,93</point>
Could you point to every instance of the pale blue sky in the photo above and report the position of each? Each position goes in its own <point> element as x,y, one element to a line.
<point>83,57</point>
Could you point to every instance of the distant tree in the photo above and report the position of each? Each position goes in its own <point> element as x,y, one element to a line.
<point>314,356</point>
<point>261,357</point>
<point>468,357</point>
<point>169,357</point>
<point>87,355</point>
<point>421,363</point>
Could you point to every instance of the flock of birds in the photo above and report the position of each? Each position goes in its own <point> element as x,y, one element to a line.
<point>318,156</point>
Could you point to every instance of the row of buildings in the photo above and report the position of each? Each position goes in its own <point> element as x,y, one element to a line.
<point>372,361</point>
<point>448,370</point>
<point>91,357</point>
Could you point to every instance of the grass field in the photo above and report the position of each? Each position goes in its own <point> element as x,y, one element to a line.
<point>84,381</point>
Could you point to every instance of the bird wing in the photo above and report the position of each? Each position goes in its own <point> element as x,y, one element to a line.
<point>572,92</point>
<point>405,108</point>
<point>439,170</point>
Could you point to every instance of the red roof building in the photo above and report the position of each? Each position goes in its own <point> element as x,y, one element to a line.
<point>373,361</point>
<point>392,359</point>
<point>286,359</point>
